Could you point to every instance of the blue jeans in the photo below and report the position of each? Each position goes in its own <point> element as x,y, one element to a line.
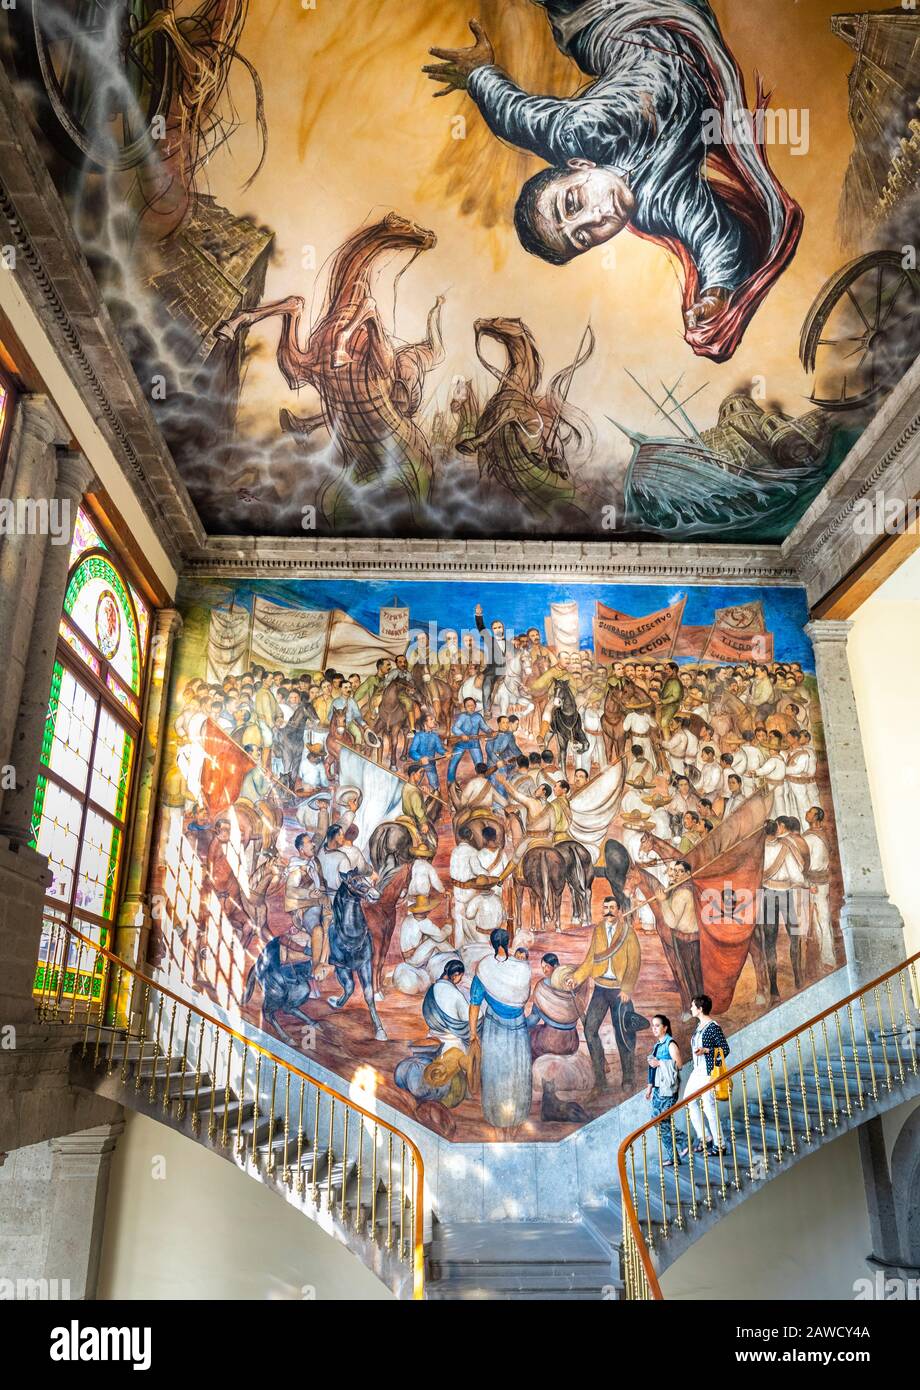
<point>659,1105</point>
<point>475,751</point>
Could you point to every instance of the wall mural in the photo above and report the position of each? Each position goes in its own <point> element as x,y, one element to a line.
<point>357,309</point>
<point>361,786</point>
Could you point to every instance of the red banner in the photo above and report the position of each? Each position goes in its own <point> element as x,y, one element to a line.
<point>618,637</point>
<point>726,644</point>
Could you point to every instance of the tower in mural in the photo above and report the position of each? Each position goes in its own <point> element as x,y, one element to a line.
<point>884,169</point>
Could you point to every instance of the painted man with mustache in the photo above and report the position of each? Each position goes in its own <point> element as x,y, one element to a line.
<point>638,148</point>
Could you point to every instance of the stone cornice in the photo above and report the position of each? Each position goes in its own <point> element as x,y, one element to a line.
<point>623,561</point>
<point>828,543</point>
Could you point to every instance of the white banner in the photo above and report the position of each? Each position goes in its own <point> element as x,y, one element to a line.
<point>381,792</point>
<point>354,650</point>
<point>292,640</point>
<point>228,641</point>
<point>564,620</point>
<point>394,624</point>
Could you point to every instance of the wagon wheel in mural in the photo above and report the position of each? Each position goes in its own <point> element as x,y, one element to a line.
<point>99,92</point>
<point>862,332</point>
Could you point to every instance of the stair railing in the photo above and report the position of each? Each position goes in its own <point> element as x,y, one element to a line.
<point>163,1052</point>
<point>781,1098</point>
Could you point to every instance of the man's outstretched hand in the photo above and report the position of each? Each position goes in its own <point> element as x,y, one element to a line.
<point>458,63</point>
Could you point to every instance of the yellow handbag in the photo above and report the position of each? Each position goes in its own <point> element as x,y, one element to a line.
<point>723,1091</point>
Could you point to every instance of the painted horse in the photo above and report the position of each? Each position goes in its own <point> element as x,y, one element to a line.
<point>284,988</point>
<point>351,945</point>
<point>369,389</point>
<point>565,722</point>
<point>522,434</point>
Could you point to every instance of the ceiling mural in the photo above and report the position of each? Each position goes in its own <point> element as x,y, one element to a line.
<point>577,268</point>
<point>459,843</point>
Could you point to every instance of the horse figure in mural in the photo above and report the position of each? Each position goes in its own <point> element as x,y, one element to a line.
<point>369,389</point>
<point>565,722</point>
<point>522,435</point>
<point>381,919</point>
<point>391,724</point>
<point>284,988</point>
<point>351,946</point>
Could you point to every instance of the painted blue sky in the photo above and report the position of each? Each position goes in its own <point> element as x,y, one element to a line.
<point>451,603</point>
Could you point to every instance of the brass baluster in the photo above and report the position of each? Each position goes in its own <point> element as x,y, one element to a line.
<point>301,1176</point>
<point>361,1172</point>
<point>705,1165</point>
<point>374,1187</point>
<point>848,1106</point>
<point>679,1219</point>
<point>345,1165</point>
<point>89,1009</point>
<point>859,1086</point>
<point>402,1199</point>
<point>212,1114</point>
<point>881,1037</point>
<point>196,1121</point>
<point>285,1165</point>
<point>169,1056</point>
<point>803,1090</point>
<point>911,1038</point>
<point>413,1182</point>
<point>635,1186</point>
<point>225,1121</point>
<point>835,1113</point>
<point>126,1041</point>
<point>915,985</point>
<point>271,1121</point>
<point>141,1038</point>
<point>330,1153</point>
<point>776,1124</point>
<point>650,1236</point>
<point>183,1066</point>
<point>314,1185</point>
<point>389,1240</point>
<point>76,981</point>
<point>152,1088</point>
<point>873,1078</point>
<point>240,1142</point>
<point>110,1054</point>
<point>762,1118</point>
<point>894,1032</point>
<point>719,1145</point>
<point>694,1206</point>
<point>814,1060</point>
<point>253,1155</point>
<point>664,1196</point>
<point>736,1180</point>
<point>103,986</point>
<point>788,1096</point>
<point>747,1125</point>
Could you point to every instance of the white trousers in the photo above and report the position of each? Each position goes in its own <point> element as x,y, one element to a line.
<point>698,1079</point>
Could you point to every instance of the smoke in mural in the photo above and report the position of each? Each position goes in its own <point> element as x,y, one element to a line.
<point>525,267</point>
<point>469,838</point>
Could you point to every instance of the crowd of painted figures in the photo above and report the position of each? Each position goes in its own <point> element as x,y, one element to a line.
<point>501,749</point>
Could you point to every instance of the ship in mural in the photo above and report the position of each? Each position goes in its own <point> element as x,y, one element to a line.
<point>469,838</point>
<point>361,310</point>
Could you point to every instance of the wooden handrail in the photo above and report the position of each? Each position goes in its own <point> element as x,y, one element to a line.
<point>628,1203</point>
<point>418,1256</point>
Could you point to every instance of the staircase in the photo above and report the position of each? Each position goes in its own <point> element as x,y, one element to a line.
<point>145,1047</point>
<point>847,1065</point>
<point>362,1179</point>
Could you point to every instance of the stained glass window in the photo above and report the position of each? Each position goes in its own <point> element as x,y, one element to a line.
<point>88,751</point>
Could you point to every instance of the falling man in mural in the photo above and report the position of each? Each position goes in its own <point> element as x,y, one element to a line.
<point>660,141</point>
